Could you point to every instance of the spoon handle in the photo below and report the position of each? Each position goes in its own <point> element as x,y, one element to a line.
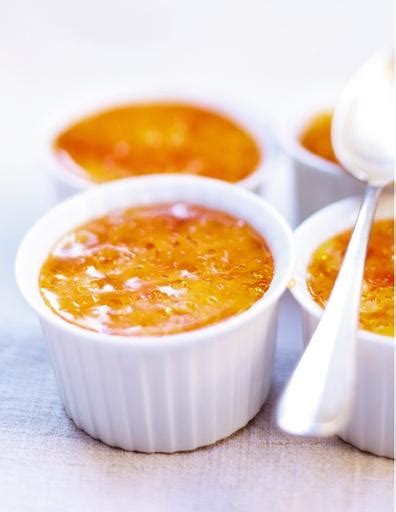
<point>317,398</point>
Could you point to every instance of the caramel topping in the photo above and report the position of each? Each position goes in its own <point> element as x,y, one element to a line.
<point>156,270</point>
<point>316,137</point>
<point>377,303</point>
<point>151,138</point>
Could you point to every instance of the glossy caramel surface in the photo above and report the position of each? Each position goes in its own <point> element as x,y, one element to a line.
<point>377,303</point>
<point>316,136</point>
<point>149,138</point>
<point>155,270</point>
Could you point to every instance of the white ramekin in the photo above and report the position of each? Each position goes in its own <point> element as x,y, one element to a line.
<point>67,183</point>
<point>317,181</point>
<point>168,393</point>
<point>370,426</point>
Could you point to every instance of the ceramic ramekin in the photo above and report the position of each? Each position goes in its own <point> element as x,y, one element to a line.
<point>370,426</point>
<point>167,393</point>
<point>318,182</point>
<point>67,183</point>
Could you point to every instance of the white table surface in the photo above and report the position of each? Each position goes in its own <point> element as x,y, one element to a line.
<point>279,55</point>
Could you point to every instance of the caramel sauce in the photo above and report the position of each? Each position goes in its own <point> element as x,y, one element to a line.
<point>151,138</point>
<point>377,302</point>
<point>156,270</point>
<point>316,137</point>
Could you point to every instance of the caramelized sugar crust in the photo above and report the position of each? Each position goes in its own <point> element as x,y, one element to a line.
<point>156,270</point>
<point>158,138</point>
<point>377,303</point>
<point>316,137</point>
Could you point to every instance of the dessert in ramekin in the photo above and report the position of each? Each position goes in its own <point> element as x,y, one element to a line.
<point>371,423</point>
<point>319,179</point>
<point>187,134</point>
<point>171,392</point>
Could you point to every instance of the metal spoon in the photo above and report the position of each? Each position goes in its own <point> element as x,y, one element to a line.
<point>317,399</point>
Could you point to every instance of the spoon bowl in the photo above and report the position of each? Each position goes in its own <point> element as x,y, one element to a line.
<point>363,125</point>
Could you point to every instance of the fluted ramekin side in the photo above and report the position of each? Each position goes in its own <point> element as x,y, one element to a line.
<point>371,424</point>
<point>165,400</point>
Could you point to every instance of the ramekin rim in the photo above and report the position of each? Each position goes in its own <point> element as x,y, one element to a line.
<point>256,126</point>
<point>287,137</point>
<point>301,294</point>
<point>196,335</point>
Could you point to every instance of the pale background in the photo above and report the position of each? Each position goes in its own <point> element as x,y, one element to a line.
<point>281,55</point>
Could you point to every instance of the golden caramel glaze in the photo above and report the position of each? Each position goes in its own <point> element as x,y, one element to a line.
<point>156,270</point>
<point>152,138</point>
<point>316,136</point>
<point>377,303</point>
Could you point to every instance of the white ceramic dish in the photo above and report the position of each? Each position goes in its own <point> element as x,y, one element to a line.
<point>318,182</point>
<point>67,183</point>
<point>168,393</point>
<point>370,427</point>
